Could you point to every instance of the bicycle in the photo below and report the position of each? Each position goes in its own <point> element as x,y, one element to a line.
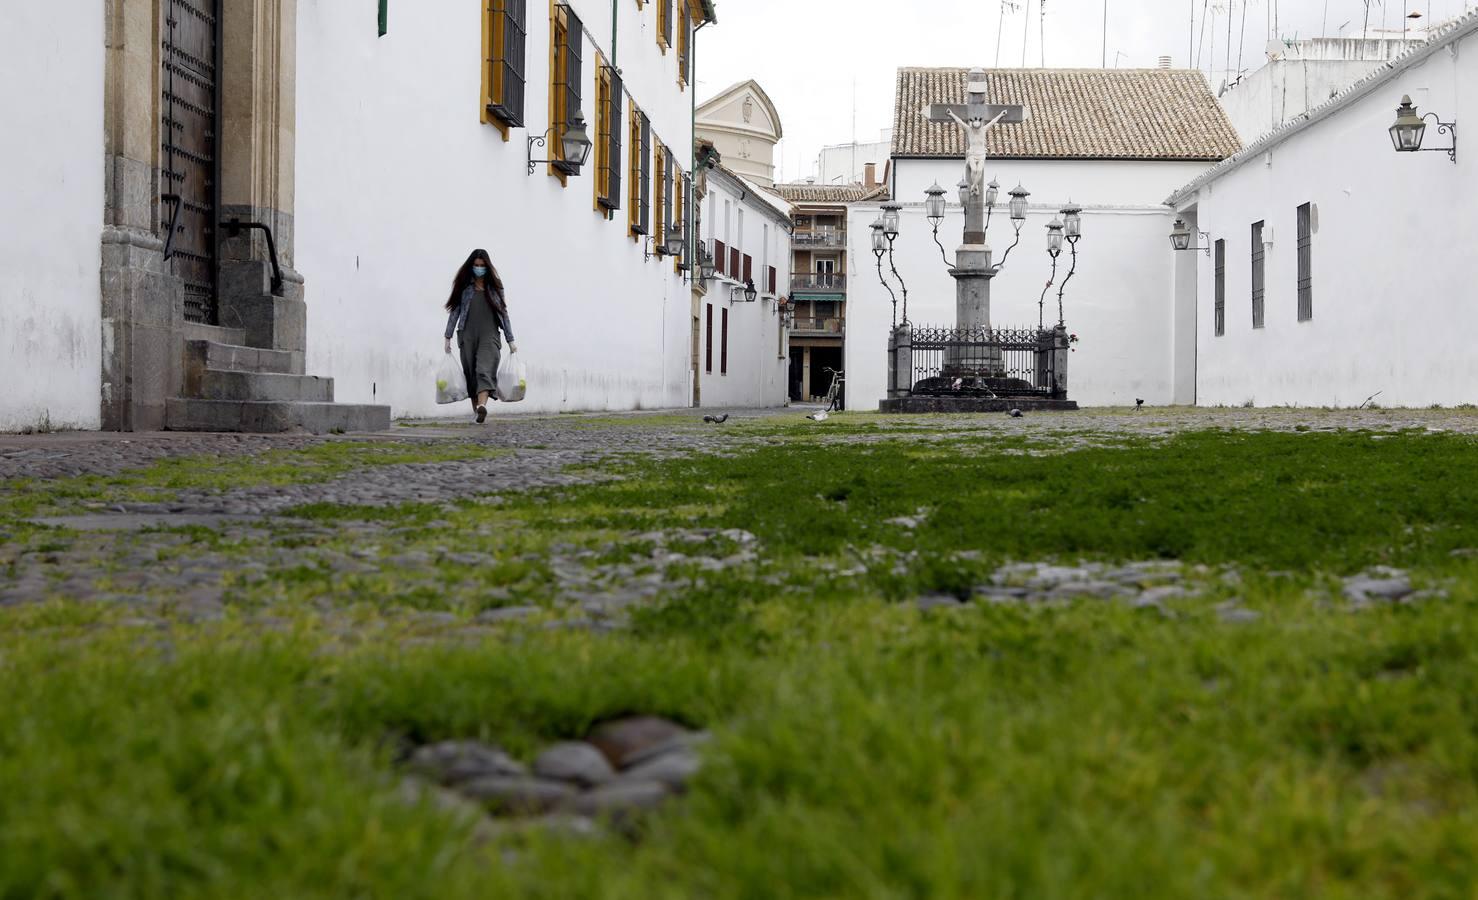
<point>835,402</point>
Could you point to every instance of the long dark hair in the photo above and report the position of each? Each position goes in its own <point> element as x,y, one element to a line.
<point>492,283</point>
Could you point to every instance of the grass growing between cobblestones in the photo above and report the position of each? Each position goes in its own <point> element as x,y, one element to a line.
<point>864,748</point>
<point>276,468</point>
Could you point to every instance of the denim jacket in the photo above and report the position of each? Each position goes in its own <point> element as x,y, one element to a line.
<point>458,319</point>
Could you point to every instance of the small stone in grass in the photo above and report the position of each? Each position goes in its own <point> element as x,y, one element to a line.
<point>939,601</point>
<point>517,794</point>
<point>622,739</point>
<point>673,769</point>
<point>452,762</point>
<point>574,761</point>
<point>619,799</point>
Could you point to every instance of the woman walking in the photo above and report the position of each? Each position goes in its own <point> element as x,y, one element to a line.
<point>477,311</point>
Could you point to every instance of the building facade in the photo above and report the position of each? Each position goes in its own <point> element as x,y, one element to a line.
<point>740,339</point>
<point>843,164</point>
<point>1336,270</point>
<point>1108,140</point>
<point>820,269</point>
<point>279,187</point>
<point>744,126</point>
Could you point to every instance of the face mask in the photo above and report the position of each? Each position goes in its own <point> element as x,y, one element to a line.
<point>479,271</point>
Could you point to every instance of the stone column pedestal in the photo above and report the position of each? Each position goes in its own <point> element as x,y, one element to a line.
<point>972,274</point>
<point>900,362</point>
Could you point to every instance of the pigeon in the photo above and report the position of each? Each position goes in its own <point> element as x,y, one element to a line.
<point>716,420</point>
<point>1138,403</point>
<point>821,416</point>
<point>1015,413</point>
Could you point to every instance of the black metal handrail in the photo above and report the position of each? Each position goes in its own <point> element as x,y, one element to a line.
<point>234,227</point>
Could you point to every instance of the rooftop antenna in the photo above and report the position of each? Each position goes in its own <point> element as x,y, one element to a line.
<point>1042,30</point>
<point>1026,31</point>
<point>1012,5</point>
<point>1105,39</point>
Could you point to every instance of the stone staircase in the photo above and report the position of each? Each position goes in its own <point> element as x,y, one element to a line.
<point>230,386</point>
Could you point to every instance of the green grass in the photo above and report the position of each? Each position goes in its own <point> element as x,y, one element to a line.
<point>864,749</point>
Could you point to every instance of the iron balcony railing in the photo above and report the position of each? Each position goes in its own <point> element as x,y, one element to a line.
<point>821,237</point>
<point>819,326</point>
<point>818,283</point>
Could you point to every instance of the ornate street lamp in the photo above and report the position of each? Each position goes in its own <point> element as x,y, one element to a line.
<point>1054,250</point>
<point>1054,237</point>
<point>676,241</point>
<point>880,246</point>
<point>1072,221</point>
<point>890,221</point>
<point>964,189</point>
<point>1018,205</point>
<point>992,193</point>
<point>934,205</point>
<point>1410,128</point>
<point>1180,237</point>
<point>706,266</point>
<point>749,291</point>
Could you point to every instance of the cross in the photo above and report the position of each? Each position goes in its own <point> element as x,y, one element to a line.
<point>975,106</point>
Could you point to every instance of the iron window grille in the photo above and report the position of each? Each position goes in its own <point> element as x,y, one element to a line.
<point>608,162</point>
<point>723,359</point>
<point>507,79</point>
<point>1221,288</point>
<point>644,199</point>
<point>569,41</point>
<point>1259,269</point>
<point>1305,263</point>
<point>664,21</point>
<point>684,44</point>
<point>708,344</point>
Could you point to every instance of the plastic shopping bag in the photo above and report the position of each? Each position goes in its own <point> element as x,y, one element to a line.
<point>513,379</point>
<point>451,381</point>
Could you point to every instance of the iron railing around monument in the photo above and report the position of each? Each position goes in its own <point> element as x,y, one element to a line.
<point>1003,361</point>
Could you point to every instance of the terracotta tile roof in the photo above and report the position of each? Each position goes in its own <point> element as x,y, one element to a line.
<point>831,193</point>
<point>1072,114</point>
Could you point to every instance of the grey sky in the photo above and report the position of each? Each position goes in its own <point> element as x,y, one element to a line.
<point>807,54</point>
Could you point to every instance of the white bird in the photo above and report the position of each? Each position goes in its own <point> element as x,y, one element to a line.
<point>821,416</point>
<point>1015,413</point>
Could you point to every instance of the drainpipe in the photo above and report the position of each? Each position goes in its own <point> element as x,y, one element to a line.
<point>692,223</point>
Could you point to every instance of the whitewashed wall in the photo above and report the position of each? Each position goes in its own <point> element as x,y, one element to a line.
<point>1395,279</point>
<point>1119,302</point>
<point>398,180</point>
<point>51,191</point>
<point>1284,89</point>
<point>757,350</point>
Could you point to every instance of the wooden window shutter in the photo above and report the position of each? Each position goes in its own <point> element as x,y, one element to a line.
<point>720,256</point>
<point>570,44</point>
<point>733,262</point>
<point>748,268</point>
<point>773,276</point>
<point>723,363</point>
<point>708,354</point>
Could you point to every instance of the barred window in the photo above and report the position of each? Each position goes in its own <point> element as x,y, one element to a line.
<point>664,22</point>
<point>684,44</point>
<point>1305,263</point>
<point>708,343</point>
<point>564,88</point>
<point>608,140</point>
<point>505,26</point>
<point>1221,288</point>
<point>641,162</point>
<point>723,356</point>
<point>659,183</point>
<point>1258,275</point>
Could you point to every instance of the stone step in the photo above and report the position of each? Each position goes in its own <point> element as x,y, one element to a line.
<point>273,416</point>
<point>238,358</point>
<point>223,384</point>
<point>195,331</point>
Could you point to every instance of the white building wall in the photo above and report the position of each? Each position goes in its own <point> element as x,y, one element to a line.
<point>51,191</point>
<point>1119,302</point>
<point>847,163</point>
<point>757,357</point>
<point>1395,281</point>
<point>398,181</point>
<point>1285,89</point>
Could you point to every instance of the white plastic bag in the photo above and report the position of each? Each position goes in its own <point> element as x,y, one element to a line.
<point>451,381</point>
<point>513,379</point>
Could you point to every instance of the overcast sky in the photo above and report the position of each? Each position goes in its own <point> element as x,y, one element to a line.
<point>809,54</point>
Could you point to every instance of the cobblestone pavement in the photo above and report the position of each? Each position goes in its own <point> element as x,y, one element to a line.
<point>168,575</point>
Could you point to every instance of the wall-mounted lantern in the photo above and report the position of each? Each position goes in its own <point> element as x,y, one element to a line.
<point>575,142</point>
<point>1410,128</point>
<point>1180,237</point>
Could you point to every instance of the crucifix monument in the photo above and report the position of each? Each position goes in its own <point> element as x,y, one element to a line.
<point>972,270</point>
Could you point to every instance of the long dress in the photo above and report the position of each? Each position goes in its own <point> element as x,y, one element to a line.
<point>481,344</point>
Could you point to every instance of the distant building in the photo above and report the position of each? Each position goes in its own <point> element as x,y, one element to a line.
<point>847,163</point>
<point>819,272</point>
<point>743,125</point>
<point>1301,75</point>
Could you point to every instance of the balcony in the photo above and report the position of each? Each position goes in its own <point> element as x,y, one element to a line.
<point>828,327</point>
<point>821,237</point>
<point>819,283</point>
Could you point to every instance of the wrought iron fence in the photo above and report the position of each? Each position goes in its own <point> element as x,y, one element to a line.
<point>999,361</point>
<point>821,237</point>
<point>811,282</point>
